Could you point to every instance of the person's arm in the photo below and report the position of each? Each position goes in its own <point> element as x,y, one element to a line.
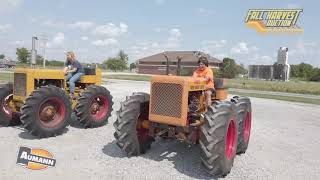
<point>65,70</point>
<point>195,75</point>
<point>209,75</point>
<point>72,70</point>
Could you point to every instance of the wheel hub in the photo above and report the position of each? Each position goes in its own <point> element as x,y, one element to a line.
<point>95,107</point>
<point>52,112</point>
<point>48,113</point>
<point>99,108</point>
<point>7,104</point>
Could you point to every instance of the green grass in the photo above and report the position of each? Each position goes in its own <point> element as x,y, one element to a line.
<point>293,86</point>
<point>128,77</point>
<point>283,98</point>
<point>5,77</point>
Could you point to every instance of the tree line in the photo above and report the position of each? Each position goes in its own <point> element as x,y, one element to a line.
<point>117,63</point>
<point>229,68</point>
<point>305,71</point>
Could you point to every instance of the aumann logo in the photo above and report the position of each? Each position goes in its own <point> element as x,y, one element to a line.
<point>35,159</point>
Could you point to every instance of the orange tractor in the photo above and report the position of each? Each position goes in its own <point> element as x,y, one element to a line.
<point>176,109</point>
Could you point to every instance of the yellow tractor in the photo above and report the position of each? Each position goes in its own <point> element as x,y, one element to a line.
<point>176,109</point>
<point>39,98</point>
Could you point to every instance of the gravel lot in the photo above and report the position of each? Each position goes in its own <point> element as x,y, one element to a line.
<point>284,144</point>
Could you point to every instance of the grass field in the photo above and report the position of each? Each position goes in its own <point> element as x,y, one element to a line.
<point>294,86</point>
<point>5,77</point>
<point>278,97</point>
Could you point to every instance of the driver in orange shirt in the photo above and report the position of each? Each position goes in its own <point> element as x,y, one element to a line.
<point>203,71</point>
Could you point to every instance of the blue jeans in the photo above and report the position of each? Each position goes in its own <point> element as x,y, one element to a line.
<point>72,80</point>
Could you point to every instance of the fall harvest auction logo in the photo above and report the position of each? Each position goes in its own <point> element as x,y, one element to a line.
<point>274,20</point>
<point>35,159</point>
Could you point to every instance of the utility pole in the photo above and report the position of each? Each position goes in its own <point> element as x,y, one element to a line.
<point>33,52</point>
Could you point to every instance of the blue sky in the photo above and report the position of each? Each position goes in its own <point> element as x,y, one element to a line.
<point>97,29</point>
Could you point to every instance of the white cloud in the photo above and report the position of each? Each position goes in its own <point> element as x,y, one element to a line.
<point>111,30</point>
<point>302,51</point>
<point>267,60</point>
<point>158,29</point>
<point>84,38</point>
<point>5,28</point>
<point>57,40</point>
<point>215,48</point>
<point>214,44</point>
<point>18,43</point>
<point>9,5</point>
<point>105,42</point>
<point>205,11</point>
<point>82,25</point>
<point>242,48</point>
<point>174,38</point>
<point>54,24</point>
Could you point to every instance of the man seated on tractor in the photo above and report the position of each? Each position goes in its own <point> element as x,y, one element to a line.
<point>73,70</point>
<point>203,71</point>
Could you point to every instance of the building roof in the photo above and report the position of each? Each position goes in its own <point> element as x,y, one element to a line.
<point>187,56</point>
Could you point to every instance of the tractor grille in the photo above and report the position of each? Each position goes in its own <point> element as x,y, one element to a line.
<point>166,99</point>
<point>20,81</point>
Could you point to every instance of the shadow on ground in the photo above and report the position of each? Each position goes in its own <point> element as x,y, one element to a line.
<point>186,159</point>
<point>26,135</point>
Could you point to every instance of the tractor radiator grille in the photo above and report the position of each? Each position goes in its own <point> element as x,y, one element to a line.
<point>20,81</point>
<point>166,99</point>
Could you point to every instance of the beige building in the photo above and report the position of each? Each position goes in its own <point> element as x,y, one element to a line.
<point>156,64</point>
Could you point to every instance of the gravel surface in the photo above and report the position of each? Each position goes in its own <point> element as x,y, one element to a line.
<point>284,144</point>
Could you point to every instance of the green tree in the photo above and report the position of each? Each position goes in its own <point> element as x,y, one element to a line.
<point>115,64</point>
<point>39,60</point>
<point>241,69</point>
<point>123,56</point>
<point>229,69</point>
<point>315,75</point>
<point>133,66</point>
<point>302,70</point>
<point>2,56</point>
<point>23,55</point>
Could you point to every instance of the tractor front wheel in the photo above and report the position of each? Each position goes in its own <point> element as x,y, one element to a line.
<point>131,134</point>
<point>46,112</point>
<point>243,110</point>
<point>218,138</point>
<point>94,107</point>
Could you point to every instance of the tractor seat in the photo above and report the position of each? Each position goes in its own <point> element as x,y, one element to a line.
<point>221,91</point>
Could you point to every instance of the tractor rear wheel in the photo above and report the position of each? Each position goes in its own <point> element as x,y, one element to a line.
<point>7,116</point>
<point>94,107</point>
<point>243,111</point>
<point>46,112</point>
<point>218,138</point>
<point>130,134</point>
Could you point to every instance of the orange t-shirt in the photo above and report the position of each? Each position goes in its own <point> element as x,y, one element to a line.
<point>205,73</point>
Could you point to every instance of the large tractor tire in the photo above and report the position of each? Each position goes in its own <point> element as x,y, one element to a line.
<point>218,138</point>
<point>131,137</point>
<point>94,107</point>
<point>46,112</point>
<point>7,116</point>
<point>243,112</point>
